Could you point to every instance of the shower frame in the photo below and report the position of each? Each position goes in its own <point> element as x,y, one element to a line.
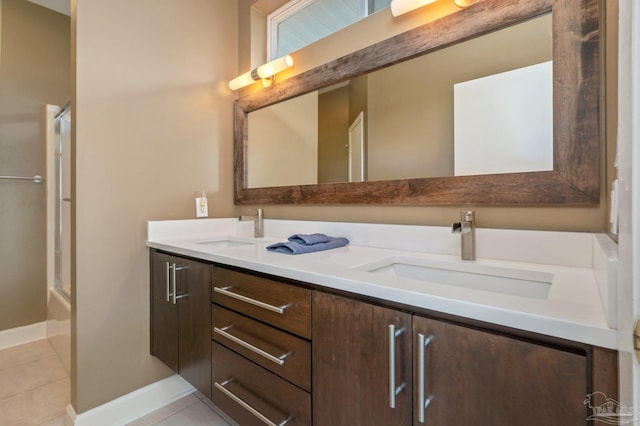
<point>60,156</point>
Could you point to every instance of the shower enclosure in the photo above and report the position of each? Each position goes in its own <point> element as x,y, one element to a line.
<point>58,229</point>
<point>62,199</point>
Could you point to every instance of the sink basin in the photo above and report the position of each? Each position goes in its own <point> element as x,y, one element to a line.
<point>220,244</point>
<point>512,281</point>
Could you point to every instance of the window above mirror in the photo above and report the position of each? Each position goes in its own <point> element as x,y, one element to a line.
<point>299,23</point>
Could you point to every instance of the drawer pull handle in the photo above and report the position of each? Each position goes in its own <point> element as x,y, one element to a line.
<point>223,332</point>
<point>423,402</point>
<point>226,292</point>
<point>246,406</point>
<point>393,389</point>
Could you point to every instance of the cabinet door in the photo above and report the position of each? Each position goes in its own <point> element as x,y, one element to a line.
<point>164,314</point>
<point>474,377</point>
<point>193,285</point>
<point>181,331</point>
<point>352,363</point>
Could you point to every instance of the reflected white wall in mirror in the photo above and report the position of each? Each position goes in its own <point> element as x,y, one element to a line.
<point>357,150</point>
<point>284,143</point>
<point>503,123</point>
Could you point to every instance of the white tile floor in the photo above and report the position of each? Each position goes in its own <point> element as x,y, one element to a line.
<point>194,409</point>
<point>35,388</point>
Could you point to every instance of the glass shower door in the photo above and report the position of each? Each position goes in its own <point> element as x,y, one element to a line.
<point>63,202</point>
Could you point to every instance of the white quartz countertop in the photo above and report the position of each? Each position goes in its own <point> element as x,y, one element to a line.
<point>573,308</point>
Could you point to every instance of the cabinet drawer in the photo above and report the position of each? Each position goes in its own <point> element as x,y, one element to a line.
<point>281,305</point>
<point>252,395</point>
<point>284,354</point>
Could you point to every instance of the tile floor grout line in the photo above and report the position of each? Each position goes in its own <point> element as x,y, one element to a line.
<point>52,380</point>
<point>34,388</point>
<point>51,351</point>
<point>156,421</point>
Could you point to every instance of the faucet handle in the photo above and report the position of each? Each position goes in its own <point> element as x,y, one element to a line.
<point>468,216</point>
<point>259,213</point>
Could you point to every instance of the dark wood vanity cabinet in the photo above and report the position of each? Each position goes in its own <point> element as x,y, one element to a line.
<point>355,362</point>
<point>180,317</point>
<point>261,362</point>
<point>466,376</point>
<point>266,350</point>
<point>460,374</point>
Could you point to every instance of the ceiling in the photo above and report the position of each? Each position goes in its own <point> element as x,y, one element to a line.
<point>60,6</point>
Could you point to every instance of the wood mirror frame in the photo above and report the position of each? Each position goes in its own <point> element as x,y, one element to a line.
<point>575,178</point>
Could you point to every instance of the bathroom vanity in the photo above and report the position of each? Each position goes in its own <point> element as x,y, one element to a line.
<point>339,338</point>
<point>396,329</point>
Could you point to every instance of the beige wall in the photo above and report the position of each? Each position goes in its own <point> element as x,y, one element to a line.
<point>34,71</point>
<point>153,124</point>
<point>258,44</point>
<point>379,27</point>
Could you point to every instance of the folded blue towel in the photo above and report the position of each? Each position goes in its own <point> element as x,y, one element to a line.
<point>309,239</point>
<point>297,245</point>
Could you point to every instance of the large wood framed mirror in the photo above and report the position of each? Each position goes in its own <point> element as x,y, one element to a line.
<point>571,178</point>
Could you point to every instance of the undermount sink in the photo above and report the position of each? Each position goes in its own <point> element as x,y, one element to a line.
<point>511,281</point>
<point>220,244</point>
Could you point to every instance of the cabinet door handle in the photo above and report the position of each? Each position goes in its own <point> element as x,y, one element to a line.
<point>226,292</point>
<point>169,269</point>
<point>246,406</point>
<point>174,268</point>
<point>423,342</point>
<point>276,359</point>
<point>393,390</point>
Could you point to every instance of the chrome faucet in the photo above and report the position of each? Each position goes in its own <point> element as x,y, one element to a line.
<point>258,219</point>
<point>467,230</point>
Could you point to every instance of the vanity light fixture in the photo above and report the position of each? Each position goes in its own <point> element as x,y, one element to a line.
<point>266,72</point>
<point>400,7</point>
<point>465,3</point>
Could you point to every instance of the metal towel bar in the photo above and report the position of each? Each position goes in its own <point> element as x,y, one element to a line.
<point>35,179</point>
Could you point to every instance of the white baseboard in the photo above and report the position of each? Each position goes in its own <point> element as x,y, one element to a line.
<point>134,405</point>
<point>21,335</point>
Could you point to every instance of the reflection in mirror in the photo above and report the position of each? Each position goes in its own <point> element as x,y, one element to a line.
<point>404,122</point>
<point>503,123</point>
<point>285,148</point>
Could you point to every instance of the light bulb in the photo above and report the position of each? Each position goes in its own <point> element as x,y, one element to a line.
<point>265,72</point>
<point>465,3</point>
<point>400,7</point>
<point>241,81</point>
<point>275,66</point>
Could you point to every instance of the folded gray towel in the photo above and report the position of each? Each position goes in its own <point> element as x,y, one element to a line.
<point>297,245</point>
